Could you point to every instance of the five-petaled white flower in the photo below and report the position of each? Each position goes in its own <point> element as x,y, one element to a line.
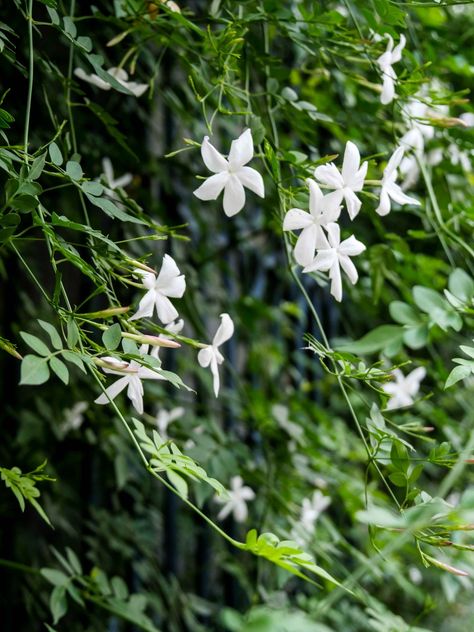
<point>385,63</point>
<point>312,508</point>
<point>210,355</point>
<point>403,389</point>
<point>168,283</point>
<point>336,255</point>
<point>132,373</point>
<point>312,235</point>
<point>390,189</point>
<point>231,174</point>
<point>112,182</point>
<point>119,74</point>
<point>237,503</point>
<point>346,183</point>
<point>165,417</point>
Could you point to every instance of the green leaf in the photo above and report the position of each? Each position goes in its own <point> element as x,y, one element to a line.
<point>178,481</point>
<point>58,603</point>
<point>461,285</point>
<point>457,374</point>
<point>34,370</point>
<point>72,333</point>
<point>112,210</point>
<point>403,313</point>
<point>92,188</point>
<point>55,577</point>
<point>112,337</point>
<point>74,561</point>
<point>53,334</point>
<point>74,358</point>
<point>55,154</point>
<point>37,167</point>
<point>376,340</point>
<point>35,343</point>
<point>24,203</point>
<point>74,170</point>
<point>61,370</point>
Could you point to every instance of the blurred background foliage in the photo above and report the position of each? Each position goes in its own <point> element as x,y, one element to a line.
<point>125,553</point>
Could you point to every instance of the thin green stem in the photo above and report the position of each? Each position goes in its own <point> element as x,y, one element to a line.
<point>30,80</point>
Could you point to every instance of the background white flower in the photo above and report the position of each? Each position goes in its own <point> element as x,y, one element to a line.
<point>119,74</point>
<point>168,283</point>
<point>112,182</point>
<point>230,175</point>
<point>403,389</point>
<point>132,373</point>
<point>312,508</point>
<point>334,255</point>
<point>165,417</point>
<point>385,62</point>
<point>310,224</point>
<point>390,189</point>
<point>74,417</point>
<point>237,503</point>
<point>210,355</point>
<point>346,183</point>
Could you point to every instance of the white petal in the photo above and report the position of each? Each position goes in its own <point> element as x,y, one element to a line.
<point>316,198</point>
<point>225,511</point>
<point>234,196</point>
<point>119,74</point>
<point>413,379</point>
<point>384,206</point>
<point>296,219</point>
<point>240,512</point>
<point>349,268</point>
<point>306,245</point>
<point>334,234</point>
<point>399,196</point>
<point>357,182</point>
<point>205,356</point>
<point>241,150</point>
<point>135,395</point>
<point>351,247</point>
<point>332,202</point>
<point>251,179</point>
<point>397,51</point>
<point>148,278</point>
<point>215,376</point>
<point>388,90</point>
<point>137,89</point>
<point>108,170</point>
<point>225,330</point>
<point>213,159</point>
<point>123,181</point>
<point>329,175</point>
<point>336,281</point>
<point>351,162</point>
<point>323,261</point>
<point>146,305</point>
<point>165,309</point>
<point>212,187</point>
<point>113,390</point>
<point>394,161</point>
<point>168,273</point>
<point>93,79</point>
<point>352,202</point>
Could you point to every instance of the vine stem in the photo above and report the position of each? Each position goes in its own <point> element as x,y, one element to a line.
<point>30,81</point>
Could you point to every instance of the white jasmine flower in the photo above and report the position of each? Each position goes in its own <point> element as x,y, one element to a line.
<point>334,255</point>
<point>385,62</point>
<point>112,182</point>
<point>231,174</point>
<point>168,283</point>
<point>310,223</point>
<point>346,183</point>
<point>237,503</point>
<point>210,355</point>
<point>132,373</point>
<point>74,417</point>
<point>390,189</point>
<point>281,414</point>
<point>467,118</point>
<point>415,575</point>
<point>119,74</point>
<point>459,157</point>
<point>312,508</point>
<point>403,389</point>
<point>165,417</point>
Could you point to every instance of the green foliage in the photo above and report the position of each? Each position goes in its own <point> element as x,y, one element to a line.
<point>24,487</point>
